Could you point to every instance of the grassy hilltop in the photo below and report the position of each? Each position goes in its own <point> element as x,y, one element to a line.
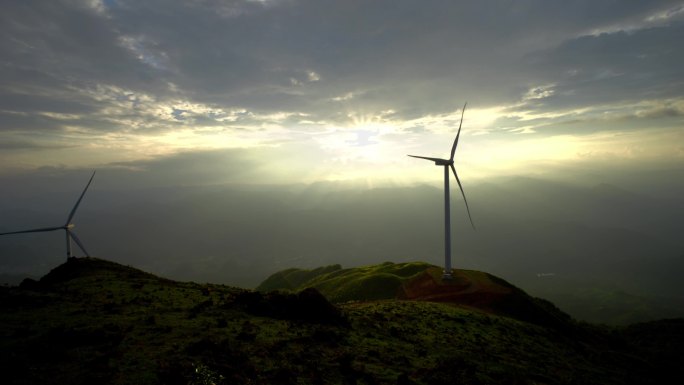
<point>420,281</point>
<point>91,321</point>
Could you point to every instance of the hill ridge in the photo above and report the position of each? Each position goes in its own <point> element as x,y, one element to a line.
<point>94,321</point>
<point>422,282</point>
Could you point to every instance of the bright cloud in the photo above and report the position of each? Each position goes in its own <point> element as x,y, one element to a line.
<point>89,82</point>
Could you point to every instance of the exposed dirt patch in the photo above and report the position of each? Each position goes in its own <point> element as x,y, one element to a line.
<point>462,289</point>
<point>483,292</point>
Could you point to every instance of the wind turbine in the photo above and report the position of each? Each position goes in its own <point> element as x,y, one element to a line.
<point>449,163</point>
<point>67,227</point>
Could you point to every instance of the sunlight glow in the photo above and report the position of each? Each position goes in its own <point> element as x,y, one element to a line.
<point>372,147</point>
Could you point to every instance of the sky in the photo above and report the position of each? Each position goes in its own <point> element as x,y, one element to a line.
<point>232,139</point>
<point>304,91</point>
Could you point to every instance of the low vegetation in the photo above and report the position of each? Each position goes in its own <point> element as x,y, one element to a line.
<point>340,285</point>
<point>95,322</point>
<point>420,281</point>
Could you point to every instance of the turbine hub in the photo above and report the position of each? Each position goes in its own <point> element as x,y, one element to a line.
<point>70,226</point>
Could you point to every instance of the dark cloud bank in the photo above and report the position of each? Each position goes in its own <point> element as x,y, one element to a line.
<point>414,58</point>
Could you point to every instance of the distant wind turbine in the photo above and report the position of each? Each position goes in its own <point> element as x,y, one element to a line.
<point>449,163</point>
<point>68,226</point>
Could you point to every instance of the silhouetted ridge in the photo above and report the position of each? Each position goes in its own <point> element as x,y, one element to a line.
<point>98,322</point>
<point>75,268</point>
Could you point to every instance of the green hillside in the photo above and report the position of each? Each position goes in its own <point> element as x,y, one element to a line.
<point>339,285</point>
<point>95,322</point>
<point>420,281</point>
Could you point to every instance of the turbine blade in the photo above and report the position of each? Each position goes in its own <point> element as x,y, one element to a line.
<point>453,148</point>
<point>428,158</point>
<point>34,230</point>
<point>78,202</point>
<point>78,242</point>
<point>464,197</point>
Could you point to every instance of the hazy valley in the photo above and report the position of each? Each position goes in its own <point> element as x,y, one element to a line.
<point>622,268</point>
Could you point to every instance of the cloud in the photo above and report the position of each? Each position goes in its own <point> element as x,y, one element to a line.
<point>230,53</point>
<point>27,144</point>
<point>172,76</point>
<point>611,68</point>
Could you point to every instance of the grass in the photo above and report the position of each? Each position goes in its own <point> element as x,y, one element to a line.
<point>374,282</point>
<point>421,281</point>
<point>293,278</point>
<point>98,322</point>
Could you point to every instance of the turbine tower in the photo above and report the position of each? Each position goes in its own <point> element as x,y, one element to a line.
<point>449,163</point>
<point>67,227</point>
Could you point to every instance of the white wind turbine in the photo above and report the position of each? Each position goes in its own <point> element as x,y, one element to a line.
<point>449,163</point>
<point>67,227</point>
